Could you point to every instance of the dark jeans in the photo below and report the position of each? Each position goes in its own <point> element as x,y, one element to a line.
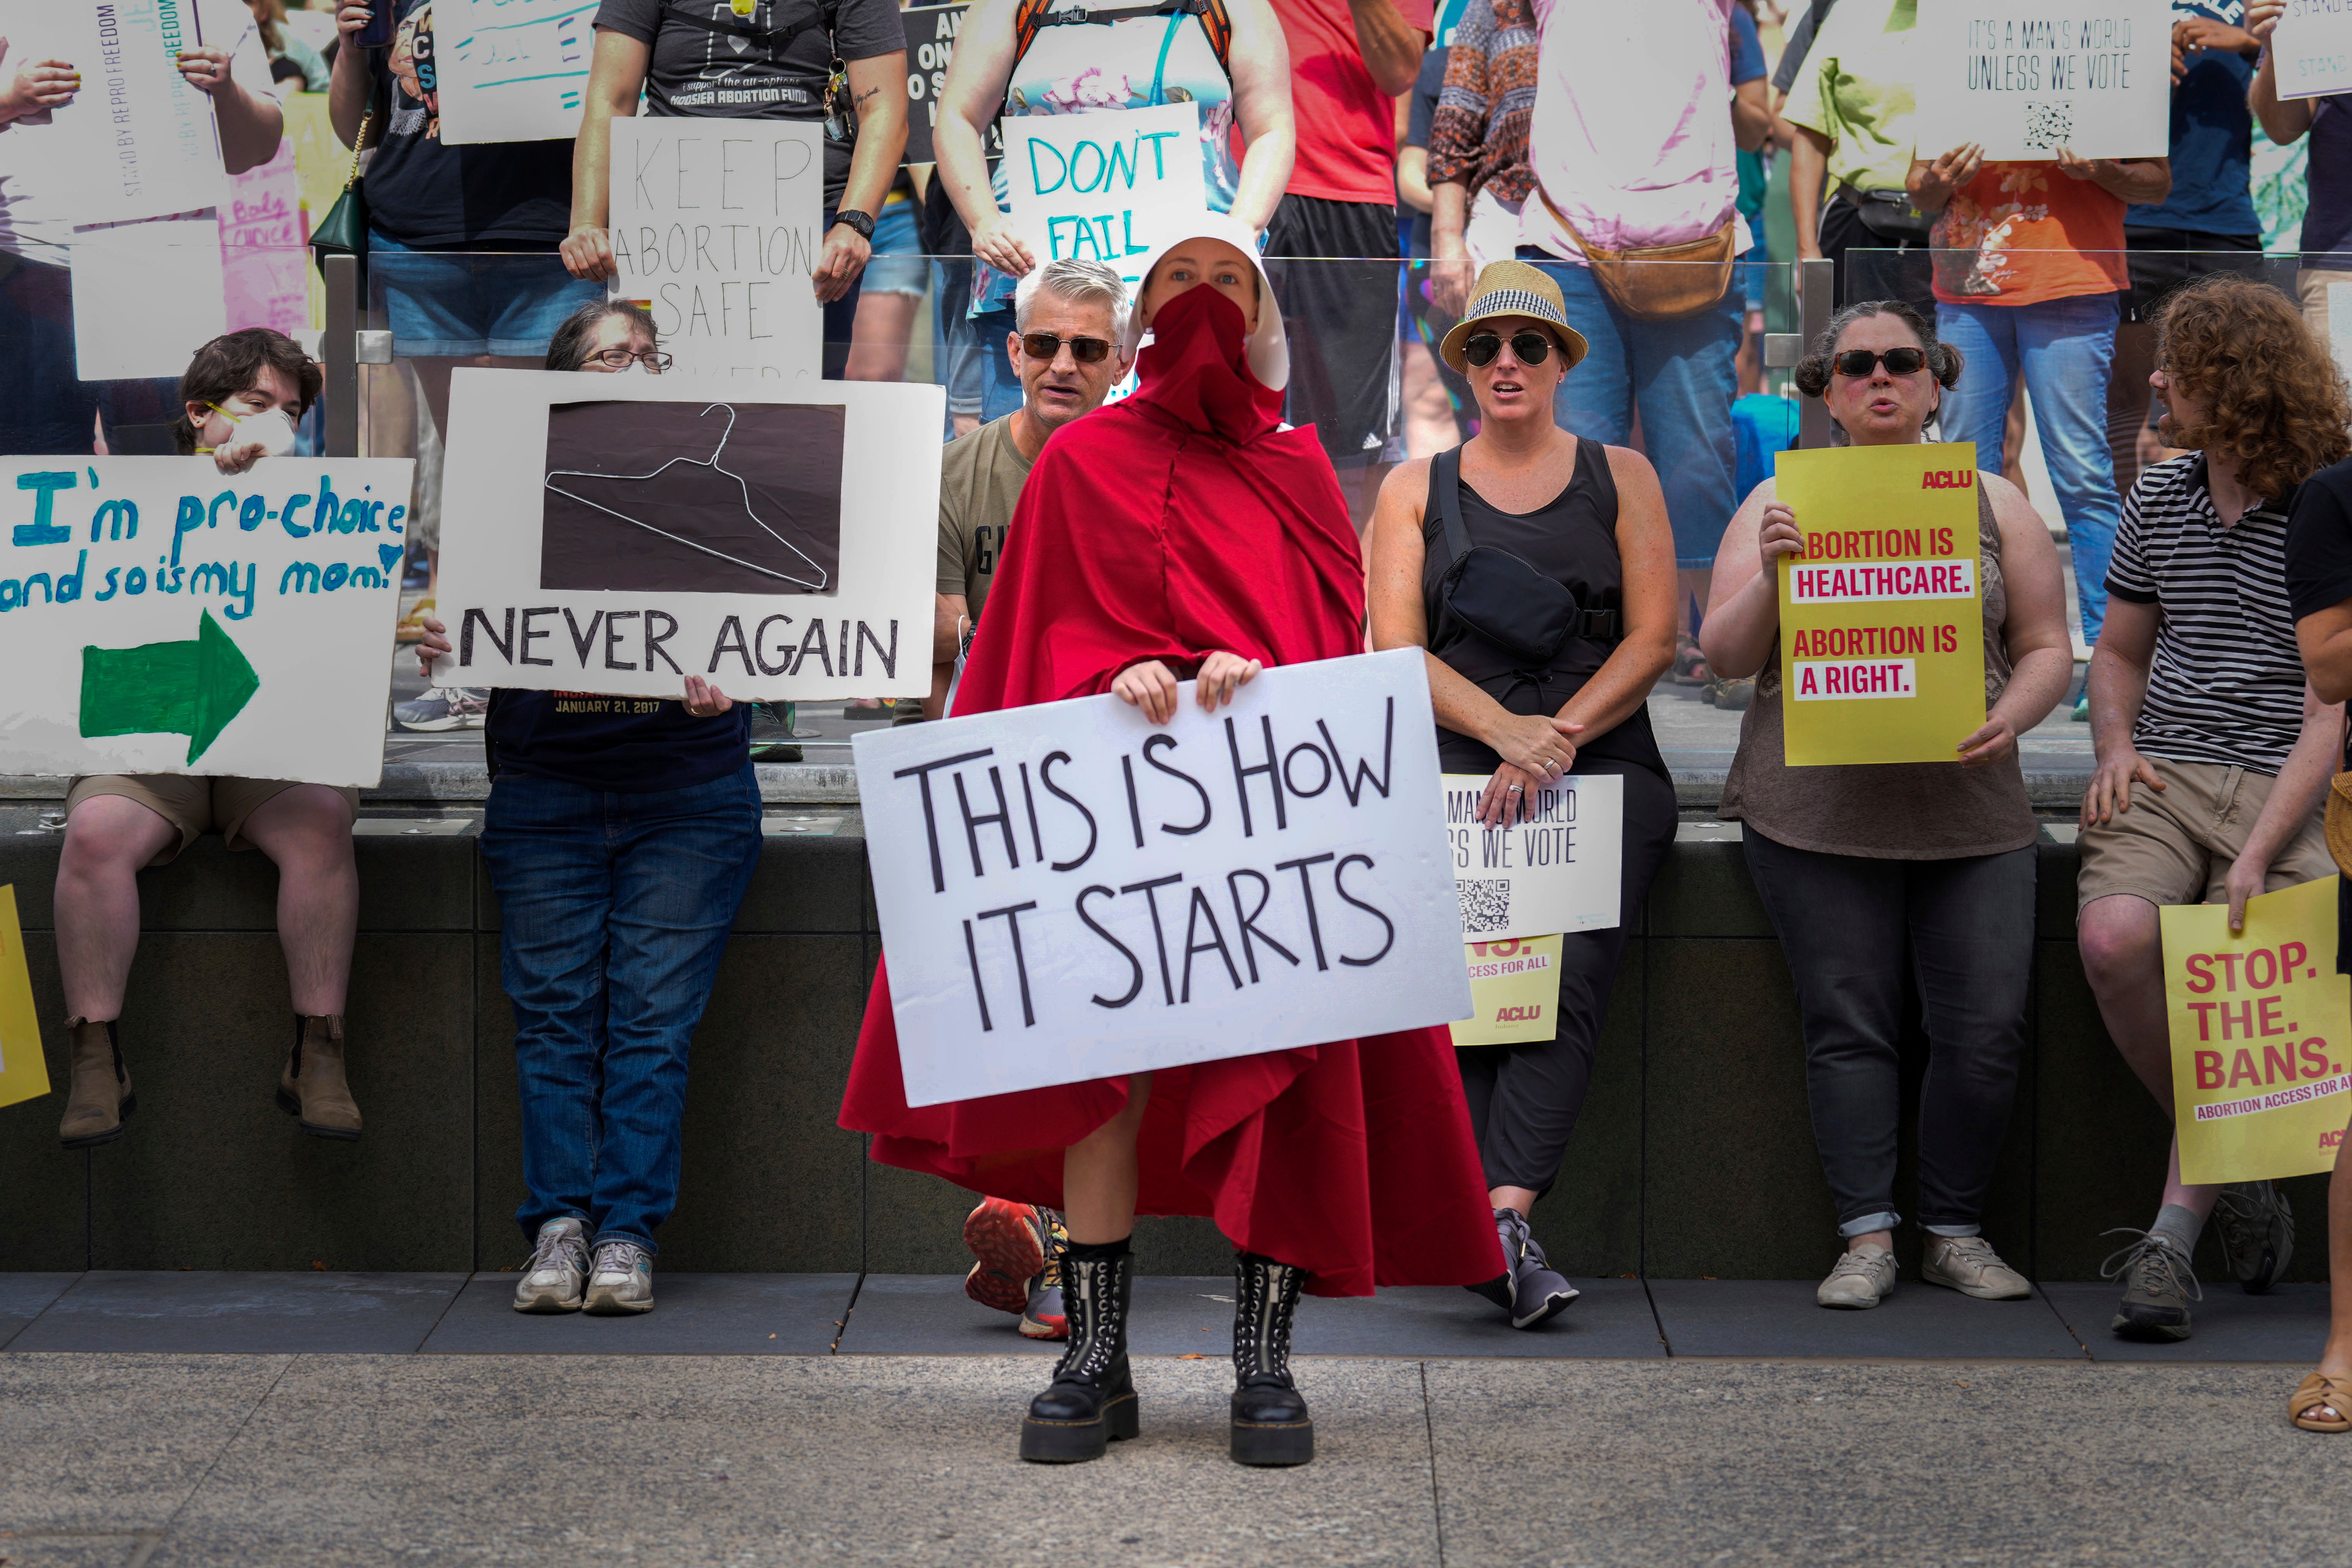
<point>1525,1099</point>
<point>49,412</point>
<point>1848,924</point>
<point>613,910</point>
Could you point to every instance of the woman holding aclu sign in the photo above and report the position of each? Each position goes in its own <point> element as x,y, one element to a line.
<point>1865,870</point>
<point>1530,518</point>
<point>1186,533</point>
<point>1031,56</point>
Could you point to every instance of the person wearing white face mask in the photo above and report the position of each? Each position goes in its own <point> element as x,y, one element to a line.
<point>242,395</point>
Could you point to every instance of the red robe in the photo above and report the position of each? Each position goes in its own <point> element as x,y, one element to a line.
<point>1169,526</point>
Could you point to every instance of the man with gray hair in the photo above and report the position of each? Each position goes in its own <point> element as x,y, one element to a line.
<point>1069,319</point>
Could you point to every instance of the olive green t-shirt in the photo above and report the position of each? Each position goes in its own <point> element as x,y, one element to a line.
<point>980,483</point>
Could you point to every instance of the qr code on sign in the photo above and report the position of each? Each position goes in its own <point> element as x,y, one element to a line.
<point>1486,906</point>
<point>2049,125</point>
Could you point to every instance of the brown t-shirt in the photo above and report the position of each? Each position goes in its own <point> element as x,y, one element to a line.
<point>981,477</point>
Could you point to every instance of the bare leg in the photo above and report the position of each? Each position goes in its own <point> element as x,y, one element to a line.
<point>880,338</point>
<point>1692,585</point>
<point>1429,424</point>
<point>108,839</point>
<point>306,830</point>
<point>1099,1177</point>
<point>2123,957</point>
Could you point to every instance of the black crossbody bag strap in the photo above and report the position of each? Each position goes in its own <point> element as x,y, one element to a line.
<point>1449,500</point>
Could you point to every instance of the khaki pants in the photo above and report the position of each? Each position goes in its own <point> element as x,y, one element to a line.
<point>194,805</point>
<point>2176,846</point>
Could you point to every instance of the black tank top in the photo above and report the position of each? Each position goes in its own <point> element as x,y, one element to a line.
<point>1571,539</point>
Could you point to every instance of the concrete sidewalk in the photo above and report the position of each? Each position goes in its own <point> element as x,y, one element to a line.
<point>330,1419</point>
<point>257,1460</point>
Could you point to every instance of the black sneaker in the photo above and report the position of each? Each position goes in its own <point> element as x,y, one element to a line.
<point>771,734</point>
<point>2257,1232</point>
<point>2158,1285</point>
<point>1528,1289</point>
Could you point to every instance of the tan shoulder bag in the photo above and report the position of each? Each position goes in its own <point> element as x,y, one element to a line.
<point>1661,283</point>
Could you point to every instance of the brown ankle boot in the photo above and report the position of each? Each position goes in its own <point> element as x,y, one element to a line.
<point>311,1085</point>
<point>100,1099</point>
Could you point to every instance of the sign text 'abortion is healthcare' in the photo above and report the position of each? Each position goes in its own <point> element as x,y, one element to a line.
<point>1882,627</point>
<point>1107,187</point>
<point>1074,893</point>
<point>157,615</point>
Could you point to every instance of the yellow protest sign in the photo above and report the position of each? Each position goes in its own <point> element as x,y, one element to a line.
<point>1882,629</point>
<point>2261,1036</point>
<point>23,1074</point>
<point>1515,986</point>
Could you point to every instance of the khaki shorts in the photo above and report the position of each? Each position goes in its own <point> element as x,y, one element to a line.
<point>2311,292</point>
<point>2176,846</point>
<point>194,805</point>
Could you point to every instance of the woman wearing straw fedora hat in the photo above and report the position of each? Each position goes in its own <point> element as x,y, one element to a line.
<point>1537,569</point>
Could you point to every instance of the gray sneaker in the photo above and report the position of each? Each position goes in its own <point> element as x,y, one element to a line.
<point>1864,1277</point>
<point>444,708</point>
<point>2257,1232</point>
<point>2158,1285</point>
<point>622,1281</point>
<point>1970,1265</point>
<point>558,1270</point>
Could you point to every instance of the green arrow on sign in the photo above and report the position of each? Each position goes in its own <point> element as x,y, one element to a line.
<point>191,689</point>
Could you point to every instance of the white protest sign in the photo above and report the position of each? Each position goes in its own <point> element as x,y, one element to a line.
<point>2311,52</point>
<point>159,617</point>
<point>1108,186</point>
<point>512,70</point>
<point>717,226</point>
<point>1556,873</point>
<point>1071,892</point>
<point>144,139</point>
<point>616,534</point>
<point>147,296</point>
<point>2024,78</point>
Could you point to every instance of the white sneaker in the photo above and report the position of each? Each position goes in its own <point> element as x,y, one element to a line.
<point>558,1269</point>
<point>1970,1265</point>
<point>622,1281</point>
<point>1864,1277</point>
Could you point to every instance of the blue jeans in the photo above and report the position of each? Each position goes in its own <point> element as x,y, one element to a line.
<point>613,910</point>
<point>1001,389</point>
<point>455,304</point>
<point>2065,349</point>
<point>1682,375</point>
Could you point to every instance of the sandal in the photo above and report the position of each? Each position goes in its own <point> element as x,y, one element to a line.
<point>1690,665</point>
<point>2317,1390</point>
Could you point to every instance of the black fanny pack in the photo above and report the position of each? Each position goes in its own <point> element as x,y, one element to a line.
<point>1891,215</point>
<point>1501,597</point>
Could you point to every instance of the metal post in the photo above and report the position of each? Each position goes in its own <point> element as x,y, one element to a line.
<point>339,352</point>
<point>1818,280</point>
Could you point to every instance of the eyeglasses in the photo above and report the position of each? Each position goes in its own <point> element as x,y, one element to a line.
<point>1859,363</point>
<point>1531,346</point>
<point>1045,345</point>
<point>619,359</point>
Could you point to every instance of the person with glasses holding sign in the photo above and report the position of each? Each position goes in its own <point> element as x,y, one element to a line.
<point>1569,542</point>
<point>1032,56</point>
<point>1871,871</point>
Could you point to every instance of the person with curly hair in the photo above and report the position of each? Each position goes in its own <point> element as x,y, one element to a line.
<point>1873,873</point>
<point>2213,752</point>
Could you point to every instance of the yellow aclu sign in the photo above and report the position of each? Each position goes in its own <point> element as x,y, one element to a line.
<point>1515,986</point>
<point>23,1074</point>
<point>2261,1036</point>
<point>1882,624</point>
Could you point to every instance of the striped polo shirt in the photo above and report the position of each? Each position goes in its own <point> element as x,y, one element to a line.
<point>2226,685</point>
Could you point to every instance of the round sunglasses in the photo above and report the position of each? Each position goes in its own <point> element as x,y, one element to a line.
<point>1859,363</point>
<point>1531,346</point>
<point>1045,345</point>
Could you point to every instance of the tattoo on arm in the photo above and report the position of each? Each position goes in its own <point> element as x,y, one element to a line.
<point>870,92</point>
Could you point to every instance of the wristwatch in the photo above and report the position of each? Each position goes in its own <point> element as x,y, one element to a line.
<point>861,224</point>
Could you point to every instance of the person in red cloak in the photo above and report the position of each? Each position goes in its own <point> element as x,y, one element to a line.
<point>1186,533</point>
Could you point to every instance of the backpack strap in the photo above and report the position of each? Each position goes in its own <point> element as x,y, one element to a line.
<point>1031,15</point>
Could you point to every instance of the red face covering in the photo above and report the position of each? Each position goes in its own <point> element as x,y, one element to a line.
<point>1178,521</point>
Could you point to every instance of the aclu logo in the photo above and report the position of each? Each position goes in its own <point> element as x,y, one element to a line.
<point>1949,479</point>
<point>1519,1014</point>
<point>2332,1139</point>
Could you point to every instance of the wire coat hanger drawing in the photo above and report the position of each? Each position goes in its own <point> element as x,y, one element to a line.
<point>711,463</point>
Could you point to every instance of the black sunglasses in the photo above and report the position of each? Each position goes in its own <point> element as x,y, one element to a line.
<point>1859,363</point>
<point>1045,345</point>
<point>1531,346</point>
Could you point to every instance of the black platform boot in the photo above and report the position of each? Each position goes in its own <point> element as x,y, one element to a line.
<point>1271,1425</point>
<point>1092,1397</point>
